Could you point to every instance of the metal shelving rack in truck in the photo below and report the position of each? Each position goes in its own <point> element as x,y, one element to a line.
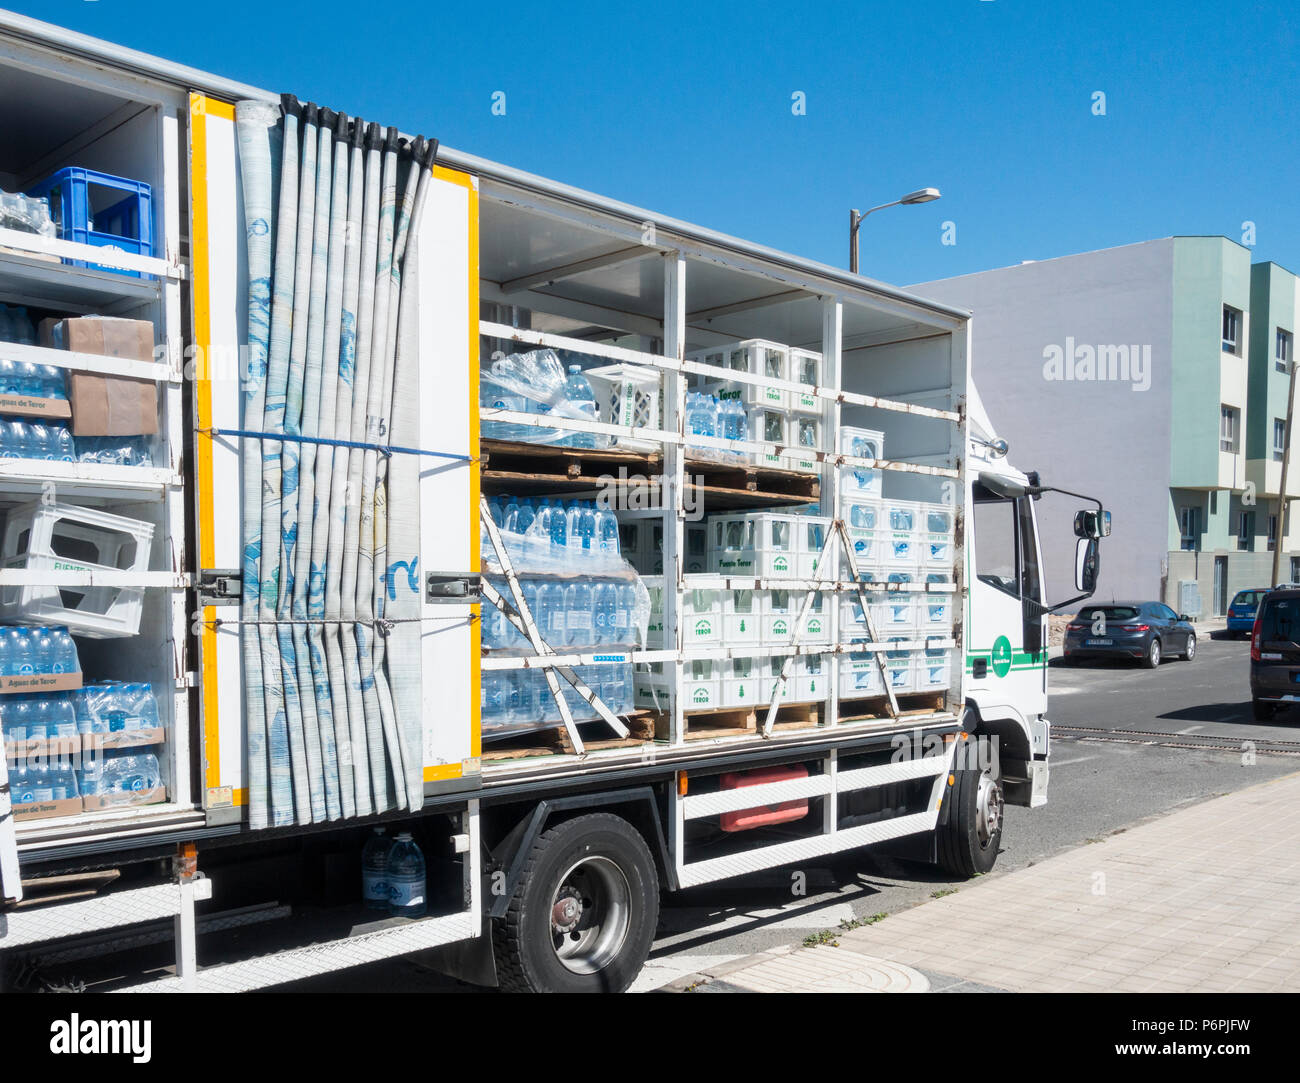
<point>510,262</point>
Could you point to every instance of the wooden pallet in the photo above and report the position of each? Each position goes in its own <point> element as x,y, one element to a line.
<point>537,468</point>
<point>909,704</point>
<point>554,741</point>
<point>736,721</point>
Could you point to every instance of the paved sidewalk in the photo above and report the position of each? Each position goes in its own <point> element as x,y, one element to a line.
<point>1206,899</point>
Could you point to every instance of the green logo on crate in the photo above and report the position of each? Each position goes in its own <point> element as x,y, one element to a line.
<point>780,564</point>
<point>814,625</point>
<point>1002,656</point>
<point>780,628</point>
<point>701,695</point>
<point>703,628</point>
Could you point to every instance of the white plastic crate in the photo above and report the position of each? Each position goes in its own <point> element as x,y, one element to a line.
<point>700,617</point>
<point>741,681</point>
<point>780,617</point>
<point>65,537</point>
<point>901,663</point>
<point>741,616</point>
<point>811,683</point>
<point>628,395</point>
<point>770,425</point>
<point>860,674</point>
<point>861,444</point>
<point>758,357</point>
<point>933,668</point>
<point>762,544</point>
<point>902,535</point>
<point>810,538</point>
<point>772,677</point>
<point>805,432</point>
<point>806,368</point>
<point>936,527</point>
<point>701,684</point>
<point>935,610</point>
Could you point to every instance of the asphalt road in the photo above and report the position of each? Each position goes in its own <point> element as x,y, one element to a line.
<point>1097,786</point>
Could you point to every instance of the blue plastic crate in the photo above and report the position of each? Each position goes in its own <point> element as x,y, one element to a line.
<point>126,224</point>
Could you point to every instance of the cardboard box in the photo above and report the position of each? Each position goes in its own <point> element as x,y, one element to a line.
<point>104,405</point>
<point>30,406</point>
<point>29,683</point>
<point>44,810</point>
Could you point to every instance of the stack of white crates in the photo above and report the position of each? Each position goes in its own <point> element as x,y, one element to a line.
<point>775,416</point>
<point>907,547</point>
<point>766,545</point>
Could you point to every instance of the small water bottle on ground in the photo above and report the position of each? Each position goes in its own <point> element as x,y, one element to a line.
<point>406,878</point>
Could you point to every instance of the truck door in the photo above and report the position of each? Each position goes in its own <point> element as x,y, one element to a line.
<point>1006,642</point>
<point>432,474</point>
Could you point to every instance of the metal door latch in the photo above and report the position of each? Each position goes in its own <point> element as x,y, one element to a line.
<point>220,586</point>
<point>452,587</point>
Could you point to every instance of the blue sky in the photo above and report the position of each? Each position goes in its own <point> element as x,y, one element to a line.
<point>686,109</point>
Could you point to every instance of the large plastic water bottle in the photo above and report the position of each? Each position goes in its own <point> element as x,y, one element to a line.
<point>135,772</point>
<point>406,878</point>
<point>580,398</point>
<point>493,699</point>
<point>559,531</point>
<point>64,447</point>
<point>146,707</point>
<point>623,632</point>
<point>23,330</point>
<point>18,718</point>
<point>582,533</point>
<point>374,870</point>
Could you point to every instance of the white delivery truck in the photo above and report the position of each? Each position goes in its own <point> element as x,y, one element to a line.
<point>324,406</point>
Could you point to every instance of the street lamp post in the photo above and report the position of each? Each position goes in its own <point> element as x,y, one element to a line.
<point>921,195</point>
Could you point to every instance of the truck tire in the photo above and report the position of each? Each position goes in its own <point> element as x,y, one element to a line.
<point>583,916</point>
<point>968,843</point>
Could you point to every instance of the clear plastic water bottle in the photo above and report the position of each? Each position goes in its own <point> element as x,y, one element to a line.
<point>61,718</point>
<point>374,870</point>
<point>406,878</point>
<point>146,707</point>
<point>134,772</point>
<point>578,614</point>
<point>65,651</point>
<point>579,397</point>
<point>607,532</point>
<point>63,782</point>
<point>63,444</point>
<point>494,698</point>
<point>559,531</point>
<point>23,657</point>
<point>604,597</point>
<point>551,609</point>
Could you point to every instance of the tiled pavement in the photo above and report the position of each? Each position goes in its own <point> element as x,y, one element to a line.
<point>1205,899</point>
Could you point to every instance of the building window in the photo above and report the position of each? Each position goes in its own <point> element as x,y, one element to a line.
<point>1279,439</point>
<point>1282,350</point>
<point>1189,526</point>
<point>1295,569</point>
<point>1231,329</point>
<point>1228,429</point>
<point>1246,531</point>
<point>1214,502</point>
<point>1272,532</point>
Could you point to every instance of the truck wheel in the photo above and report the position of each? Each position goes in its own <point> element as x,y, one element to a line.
<point>583,916</point>
<point>968,843</point>
<point>1152,657</point>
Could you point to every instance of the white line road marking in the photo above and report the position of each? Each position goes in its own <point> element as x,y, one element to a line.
<point>1067,763</point>
<point>1191,729</point>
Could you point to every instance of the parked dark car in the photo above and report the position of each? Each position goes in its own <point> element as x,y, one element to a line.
<point>1275,653</point>
<point>1146,631</point>
<point>1241,611</point>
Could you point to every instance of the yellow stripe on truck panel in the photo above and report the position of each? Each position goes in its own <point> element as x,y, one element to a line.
<point>201,107</point>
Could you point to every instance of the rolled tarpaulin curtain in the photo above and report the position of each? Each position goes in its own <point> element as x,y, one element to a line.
<point>331,607</point>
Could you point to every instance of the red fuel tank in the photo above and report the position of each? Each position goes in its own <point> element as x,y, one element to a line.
<point>763,815</point>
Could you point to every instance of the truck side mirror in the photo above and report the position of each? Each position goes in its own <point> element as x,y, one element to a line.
<point>1087,563</point>
<point>1092,524</point>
